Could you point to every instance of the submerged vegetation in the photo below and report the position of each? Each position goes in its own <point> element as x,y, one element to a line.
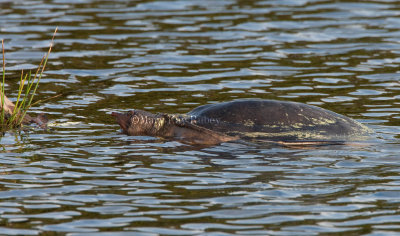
<point>15,115</point>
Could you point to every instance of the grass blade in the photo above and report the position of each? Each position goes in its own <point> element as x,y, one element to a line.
<point>44,63</point>
<point>2,118</point>
<point>11,115</point>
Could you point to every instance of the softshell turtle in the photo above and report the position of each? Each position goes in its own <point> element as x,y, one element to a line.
<point>267,120</point>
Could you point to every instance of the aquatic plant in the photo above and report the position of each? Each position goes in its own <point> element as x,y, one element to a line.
<point>13,115</point>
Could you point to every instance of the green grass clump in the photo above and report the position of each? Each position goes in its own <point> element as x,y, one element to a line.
<point>12,115</point>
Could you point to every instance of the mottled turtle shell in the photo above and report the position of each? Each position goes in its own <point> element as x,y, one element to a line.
<point>277,121</point>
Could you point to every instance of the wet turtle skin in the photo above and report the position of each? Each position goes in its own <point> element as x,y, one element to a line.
<point>277,121</point>
<point>138,122</point>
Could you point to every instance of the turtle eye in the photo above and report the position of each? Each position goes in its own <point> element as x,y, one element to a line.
<point>135,117</point>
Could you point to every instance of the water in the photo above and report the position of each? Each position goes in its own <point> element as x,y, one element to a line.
<point>85,178</point>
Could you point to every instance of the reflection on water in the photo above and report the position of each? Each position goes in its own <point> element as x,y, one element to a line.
<point>84,177</point>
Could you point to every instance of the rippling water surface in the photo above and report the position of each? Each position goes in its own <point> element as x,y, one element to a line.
<point>85,178</point>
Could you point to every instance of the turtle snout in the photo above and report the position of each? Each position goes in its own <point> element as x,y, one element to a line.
<point>122,120</point>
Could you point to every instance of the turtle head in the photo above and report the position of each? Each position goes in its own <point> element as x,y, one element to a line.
<point>138,122</point>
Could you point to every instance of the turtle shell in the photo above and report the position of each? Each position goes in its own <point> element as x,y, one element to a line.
<point>277,121</point>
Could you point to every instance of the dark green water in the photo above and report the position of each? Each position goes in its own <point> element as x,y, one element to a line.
<point>85,178</point>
